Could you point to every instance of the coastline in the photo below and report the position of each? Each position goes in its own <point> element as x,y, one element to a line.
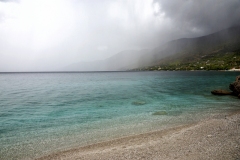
<point>215,138</point>
<point>233,69</point>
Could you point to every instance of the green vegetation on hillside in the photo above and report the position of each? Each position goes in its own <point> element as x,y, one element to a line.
<point>216,61</point>
<point>218,51</point>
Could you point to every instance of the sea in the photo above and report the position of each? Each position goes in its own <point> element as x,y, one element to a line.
<point>44,113</point>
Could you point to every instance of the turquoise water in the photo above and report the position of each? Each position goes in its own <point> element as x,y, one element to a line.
<point>41,113</point>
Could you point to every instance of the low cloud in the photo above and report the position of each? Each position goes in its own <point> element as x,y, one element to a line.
<point>201,17</point>
<point>46,35</point>
<point>102,48</point>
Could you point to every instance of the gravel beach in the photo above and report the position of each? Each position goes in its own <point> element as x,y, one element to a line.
<point>214,138</point>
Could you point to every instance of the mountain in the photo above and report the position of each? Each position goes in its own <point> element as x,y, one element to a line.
<point>220,50</point>
<point>217,51</point>
<point>120,62</point>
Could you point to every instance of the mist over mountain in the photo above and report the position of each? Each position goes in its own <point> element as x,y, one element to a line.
<point>192,49</point>
<point>121,61</point>
<point>176,51</point>
<point>50,35</point>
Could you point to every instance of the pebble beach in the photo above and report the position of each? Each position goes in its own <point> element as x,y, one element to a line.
<point>214,138</point>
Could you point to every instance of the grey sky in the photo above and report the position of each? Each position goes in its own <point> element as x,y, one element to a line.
<point>50,34</point>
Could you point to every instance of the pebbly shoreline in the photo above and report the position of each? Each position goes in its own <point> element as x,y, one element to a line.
<point>214,138</point>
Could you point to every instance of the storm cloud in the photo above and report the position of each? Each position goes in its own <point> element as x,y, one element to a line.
<point>203,16</point>
<point>43,35</point>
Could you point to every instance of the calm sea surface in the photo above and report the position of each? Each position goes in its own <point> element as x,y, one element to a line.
<point>41,113</point>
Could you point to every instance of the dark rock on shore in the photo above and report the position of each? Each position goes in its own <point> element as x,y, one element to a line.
<point>221,92</point>
<point>235,87</point>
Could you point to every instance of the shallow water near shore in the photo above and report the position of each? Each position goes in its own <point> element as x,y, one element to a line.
<point>41,113</point>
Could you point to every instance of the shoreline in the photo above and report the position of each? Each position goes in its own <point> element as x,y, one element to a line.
<point>214,138</point>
